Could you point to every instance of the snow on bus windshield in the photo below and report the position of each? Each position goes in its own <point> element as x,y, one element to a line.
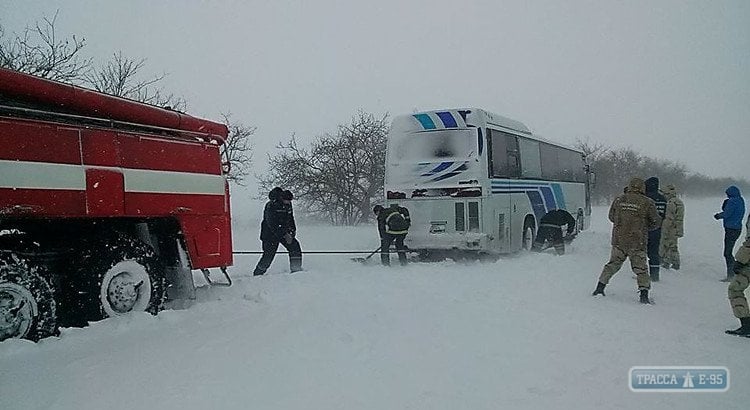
<point>431,145</point>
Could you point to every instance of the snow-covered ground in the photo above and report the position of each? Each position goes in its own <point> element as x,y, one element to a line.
<point>522,333</point>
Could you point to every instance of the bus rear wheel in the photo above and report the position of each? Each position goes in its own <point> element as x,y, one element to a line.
<point>529,234</point>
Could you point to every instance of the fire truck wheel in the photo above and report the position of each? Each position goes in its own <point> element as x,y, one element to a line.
<point>27,306</point>
<point>122,274</point>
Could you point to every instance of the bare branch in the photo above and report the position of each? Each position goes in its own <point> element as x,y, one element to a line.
<point>121,76</point>
<point>238,149</point>
<point>38,51</point>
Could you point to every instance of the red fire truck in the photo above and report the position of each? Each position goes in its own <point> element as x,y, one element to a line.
<point>106,205</point>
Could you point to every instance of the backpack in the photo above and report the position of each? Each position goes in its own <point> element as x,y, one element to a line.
<point>395,222</point>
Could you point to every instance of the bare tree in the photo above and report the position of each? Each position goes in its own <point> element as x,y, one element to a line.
<point>121,76</point>
<point>39,51</point>
<point>340,176</point>
<point>592,150</point>
<point>238,149</point>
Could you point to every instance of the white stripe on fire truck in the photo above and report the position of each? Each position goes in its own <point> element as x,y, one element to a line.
<point>41,175</point>
<point>169,182</point>
<point>44,175</point>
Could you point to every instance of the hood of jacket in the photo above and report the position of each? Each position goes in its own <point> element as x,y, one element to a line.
<point>636,185</point>
<point>670,191</point>
<point>275,193</point>
<point>652,184</point>
<point>733,192</point>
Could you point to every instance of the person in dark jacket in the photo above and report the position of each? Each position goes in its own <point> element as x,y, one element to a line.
<point>278,227</point>
<point>654,237</point>
<point>550,230</point>
<point>393,225</point>
<point>732,212</point>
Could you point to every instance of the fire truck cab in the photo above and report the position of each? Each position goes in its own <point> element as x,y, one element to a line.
<point>106,205</point>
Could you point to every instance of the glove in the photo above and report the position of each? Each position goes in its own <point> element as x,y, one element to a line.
<point>717,215</point>
<point>738,267</point>
<point>288,237</point>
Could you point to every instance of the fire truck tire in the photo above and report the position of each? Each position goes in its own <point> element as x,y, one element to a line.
<point>120,274</point>
<point>27,305</point>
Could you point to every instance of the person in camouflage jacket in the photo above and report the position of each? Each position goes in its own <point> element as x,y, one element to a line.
<point>634,215</point>
<point>671,229</point>
<point>740,282</point>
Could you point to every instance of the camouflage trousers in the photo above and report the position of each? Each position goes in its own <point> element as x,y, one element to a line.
<point>668,250</point>
<point>736,291</point>
<point>637,263</point>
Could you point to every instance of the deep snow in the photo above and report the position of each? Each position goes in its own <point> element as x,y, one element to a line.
<point>520,333</point>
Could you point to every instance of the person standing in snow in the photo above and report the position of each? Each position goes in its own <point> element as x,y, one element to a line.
<point>671,229</point>
<point>550,230</point>
<point>740,282</point>
<point>732,212</point>
<point>393,225</point>
<point>633,215</point>
<point>278,227</point>
<point>654,237</point>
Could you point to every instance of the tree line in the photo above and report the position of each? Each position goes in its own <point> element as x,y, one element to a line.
<point>337,177</point>
<point>614,167</point>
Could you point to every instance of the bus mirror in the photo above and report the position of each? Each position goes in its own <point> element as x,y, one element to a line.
<point>592,178</point>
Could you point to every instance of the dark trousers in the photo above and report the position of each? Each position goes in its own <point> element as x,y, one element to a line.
<point>730,238</point>
<point>552,234</point>
<point>269,252</point>
<point>654,260</point>
<point>385,246</point>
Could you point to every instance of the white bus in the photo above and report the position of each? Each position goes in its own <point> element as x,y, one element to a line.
<point>477,183</point>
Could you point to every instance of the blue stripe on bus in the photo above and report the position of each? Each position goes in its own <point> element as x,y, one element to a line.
<point>557,189</point>
<point>426,121</point>
<point>549,197</point>
<point>447,119</point>
<point>536,204</point>
<point>441,167</point>
<point>445,176</point>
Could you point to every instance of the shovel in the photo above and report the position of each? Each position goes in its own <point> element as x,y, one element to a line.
<point>364,260</point>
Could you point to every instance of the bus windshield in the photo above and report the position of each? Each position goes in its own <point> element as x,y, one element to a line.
<point>435,145</point>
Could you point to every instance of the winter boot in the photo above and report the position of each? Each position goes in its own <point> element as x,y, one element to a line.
<point>743,330</point>
<point>599,289</point>
<point>644,297</point>
<point>676,266</point>
<point>654,272</point>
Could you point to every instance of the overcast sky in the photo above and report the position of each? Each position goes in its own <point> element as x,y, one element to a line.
<point>668,78</point>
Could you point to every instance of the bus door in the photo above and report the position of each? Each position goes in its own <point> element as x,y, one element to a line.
<point>504,164</point>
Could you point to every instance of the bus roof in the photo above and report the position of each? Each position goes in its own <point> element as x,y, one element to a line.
<point>461,118</point>
<point>472,117</point>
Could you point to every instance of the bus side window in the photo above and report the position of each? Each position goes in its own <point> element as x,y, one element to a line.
<point>514,165</point>
<point>531,163</point>
<point>504,161</point>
